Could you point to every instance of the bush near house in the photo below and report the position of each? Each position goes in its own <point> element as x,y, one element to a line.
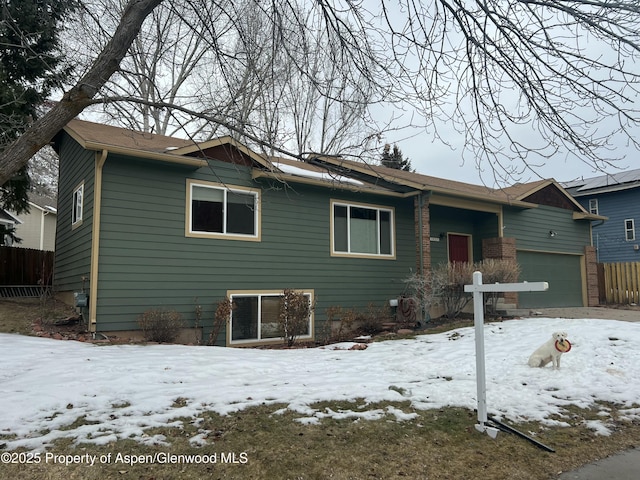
<point>221,318</point>
<point>449,280</point>
<point>160,326</point>
<point>497,271</point>
<point>293,320</point>
<point>448,283</point>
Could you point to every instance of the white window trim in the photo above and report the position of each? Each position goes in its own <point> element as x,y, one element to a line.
<point>632,230</point>
<point>260,294</point>
<point>189,232</point>
<point>392,219</point>
<point>77,206</point>
<point>593,206</point>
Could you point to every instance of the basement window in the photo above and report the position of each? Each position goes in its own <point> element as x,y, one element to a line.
<point>254,318</point>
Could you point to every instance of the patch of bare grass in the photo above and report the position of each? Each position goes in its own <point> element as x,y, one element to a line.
<point>259,443</point>
<point>20,315</point>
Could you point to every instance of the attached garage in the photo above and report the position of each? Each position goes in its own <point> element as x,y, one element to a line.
<point>563,273</point>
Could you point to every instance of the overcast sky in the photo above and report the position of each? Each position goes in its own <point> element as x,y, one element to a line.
<point>432,157</point>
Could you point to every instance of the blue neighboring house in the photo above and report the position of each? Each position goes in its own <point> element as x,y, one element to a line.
<point>616,196</point>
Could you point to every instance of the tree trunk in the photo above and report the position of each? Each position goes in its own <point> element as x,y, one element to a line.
<point>17,154</point>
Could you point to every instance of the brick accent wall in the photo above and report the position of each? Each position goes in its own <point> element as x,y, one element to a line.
<point>425,234</point>
<point>591,271</point>
<point>501,248</point>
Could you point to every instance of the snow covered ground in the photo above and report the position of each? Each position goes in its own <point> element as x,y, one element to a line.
<point>122,390</point>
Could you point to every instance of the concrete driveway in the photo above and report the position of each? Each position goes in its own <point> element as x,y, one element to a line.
<point>628,314</point>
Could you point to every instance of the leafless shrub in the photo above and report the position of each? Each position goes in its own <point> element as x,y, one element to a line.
<point>346,320</point>
<point>221,318</point>
<point>373,318</point>
<point>496,270</point>
<point>293,321</point>
<point>449,280</point>
<point>420,288</point>
<point>160,325</point>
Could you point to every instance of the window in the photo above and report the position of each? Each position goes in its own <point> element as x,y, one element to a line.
<point>254,317</point>
<point>593,206</point>
<point>629,230</point>
<point>222,211</point>
<point>362,230</point>
<point>76,207</point>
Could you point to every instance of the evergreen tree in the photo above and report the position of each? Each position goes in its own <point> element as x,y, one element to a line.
<point>31,66</point>
<point>394,159</point>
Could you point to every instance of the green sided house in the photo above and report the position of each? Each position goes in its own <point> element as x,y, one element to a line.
<point>147,221</point>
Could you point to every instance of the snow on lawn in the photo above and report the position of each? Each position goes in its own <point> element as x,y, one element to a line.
<point>122,390</point>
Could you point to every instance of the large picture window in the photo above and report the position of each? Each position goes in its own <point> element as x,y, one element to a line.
<point>254,317</point>
<point>217,210</point>
<point>362,230</point>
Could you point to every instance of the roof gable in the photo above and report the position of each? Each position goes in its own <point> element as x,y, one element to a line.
<point>96,136</point>
<point>552,196</point>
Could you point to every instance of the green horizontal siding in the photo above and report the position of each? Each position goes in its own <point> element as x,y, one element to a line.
<point>73,246</point>
<point>146,261</point>
<point>531,229</point>
<point>556,260</point>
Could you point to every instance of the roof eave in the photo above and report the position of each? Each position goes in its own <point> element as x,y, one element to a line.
<point>588,216</point>
<point>418,187</point>
<point>134,152</point>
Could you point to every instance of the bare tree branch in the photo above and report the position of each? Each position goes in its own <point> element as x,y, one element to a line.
<point>17,154</point>
<point>522,81</point>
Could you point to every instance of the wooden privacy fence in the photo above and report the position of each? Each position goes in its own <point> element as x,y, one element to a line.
<point>25,267</point>
<point>621,282</point>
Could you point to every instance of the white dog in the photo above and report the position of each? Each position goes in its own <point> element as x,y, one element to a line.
<point>550,351</point>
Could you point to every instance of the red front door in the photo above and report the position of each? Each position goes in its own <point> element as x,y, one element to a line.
<point>458,248</point>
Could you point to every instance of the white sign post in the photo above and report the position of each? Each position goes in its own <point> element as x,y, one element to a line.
<point>478,319</point>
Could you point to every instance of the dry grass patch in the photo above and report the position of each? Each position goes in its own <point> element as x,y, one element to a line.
<point>17,315</point>
<point>261,444</point>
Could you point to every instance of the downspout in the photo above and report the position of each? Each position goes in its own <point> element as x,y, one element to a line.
<point>42,215</point>
<point>597,245</point>
<point>95,242</point>
<point>420,242</point>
